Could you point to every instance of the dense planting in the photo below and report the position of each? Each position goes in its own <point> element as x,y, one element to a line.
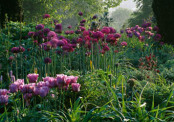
<point>124,75</point>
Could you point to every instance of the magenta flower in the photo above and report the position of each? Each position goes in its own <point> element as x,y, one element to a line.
<point>117,35</point>
<point>80,14</point>
<point>58,28</point>
<point>54,42</point>
<point>75,87</point>
<point>32,77</point>
<point>94,17</point>
<point>3,99</point>
<point>106,48</point>
<point>60,43</point>
<point>69,27</point>
<point>46,30</point>
<point>11,58</point>
<point>40,27</point>
<point>105,30</point>
<point>157,37</point>
<point>46,16</point>
<point>47,60</point>
<point>124,43</point>
<point>15,50</point>
<point>83,21</point>
<point>51,35</point>
<point>31,34</point>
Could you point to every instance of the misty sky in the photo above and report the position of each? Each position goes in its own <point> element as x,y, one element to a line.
<point>129,4</point>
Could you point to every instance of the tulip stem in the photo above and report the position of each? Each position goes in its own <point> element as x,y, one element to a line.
<point>5,109</point>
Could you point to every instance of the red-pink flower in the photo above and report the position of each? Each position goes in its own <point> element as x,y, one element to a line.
<point>75,87</point>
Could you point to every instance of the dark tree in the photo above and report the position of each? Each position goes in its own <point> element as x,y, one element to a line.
<point>164,14</point>
<point>13,9</point>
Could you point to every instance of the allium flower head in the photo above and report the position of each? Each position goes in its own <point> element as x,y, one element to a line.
<point>46,16</point>
<point>40,27</point>
<point>46,30</point>
<point>32,77</point>
<point>15,50</point>
<point>58,28</point>
<point>31,34</point>
<point>94,17</point>
<point>51,35</point>
<point>80,14</point>
<point>47,60</point>
<point>105,30</point>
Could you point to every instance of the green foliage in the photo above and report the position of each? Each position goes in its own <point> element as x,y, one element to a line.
<point>144,12</point>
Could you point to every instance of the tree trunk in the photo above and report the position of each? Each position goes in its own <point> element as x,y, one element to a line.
<point>11,8</point>
<point>164,14</point>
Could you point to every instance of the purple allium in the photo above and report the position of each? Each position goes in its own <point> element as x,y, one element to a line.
<point>68,48</point>
<point>54,42</point>
<point>69,27</point>
<point>98,35</point>
<point>82,28</point>
<point>157,37</point>
<point>80,14</point>
<point>156,29</point>
<point>77,31</point>
<point>46,30</point>
<point>51,35</point>
<point>31,34</point>
<point>106,48</point>
<point>82,24</point>
<point>60,43</point>
<point>11,58</point>
<point>85,33</point>
<point>105,30</point>
<point>124,43</point>
<point>112,30</point>
<point>32,77</point>
<point>3,99</point>
<point>39,27</point>
<point>46,16</point>
<point>83,21</point>
<point>15,50</point>
<point>94,17</point>
<point>21,49</point>
<point>3,91</point>
<point>58,28</point>
<point>117,35</point>
<point>121,31</point>
<point>47,60</point>
<point>75,87</point>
